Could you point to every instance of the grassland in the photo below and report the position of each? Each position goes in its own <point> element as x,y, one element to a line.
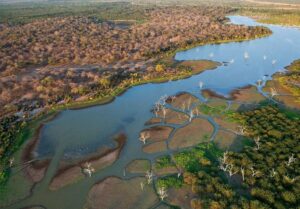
<point>273,15</point>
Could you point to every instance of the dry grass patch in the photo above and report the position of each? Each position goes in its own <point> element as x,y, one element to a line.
<point>138,166</point>
<point>155,147</point>
<point>114,193</point>
<point>199,130</point>
<point>158,133</point>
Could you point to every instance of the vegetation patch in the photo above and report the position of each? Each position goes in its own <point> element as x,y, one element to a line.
<point>163,162</point>
<point>263,175</point>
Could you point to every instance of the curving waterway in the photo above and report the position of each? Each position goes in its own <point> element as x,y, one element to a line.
<point>75,133</point>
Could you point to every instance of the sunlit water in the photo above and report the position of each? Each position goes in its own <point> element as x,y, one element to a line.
<point>77,132</point>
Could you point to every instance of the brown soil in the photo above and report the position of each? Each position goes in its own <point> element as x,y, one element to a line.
<point>173,117</point>
<point>182,98</point>
<point>248,94</point>
<point>221,121</point>
<point>192,134</point>
<point>138,166</point>
<point>158,133</point>
<point>155,147</point>
<point>115,193</point>
<point>180,197</point>
<point>224,139</point>
<point>70,173</point>
<point>209,94</point>
<point>165,171</point>
<point>153,121</point>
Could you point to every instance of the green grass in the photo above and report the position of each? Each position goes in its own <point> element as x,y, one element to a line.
<point>273,16</point>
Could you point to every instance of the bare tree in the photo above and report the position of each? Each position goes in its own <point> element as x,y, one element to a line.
<point>291,160</point>
<point>231,170</point>
<point>241,130</point>
<point>88,169</point>
<point>149,176</point>
<point>142,185</point>
<point>191,115</point>
<point>162,193</point>
<point>11,162</point>
<point>223,162</point>
<point>273,92</point>
<point>254,173</point>
<point>257,142</point>
<point>144,136</point>
<point>243,173</point>
<point>273,173</point>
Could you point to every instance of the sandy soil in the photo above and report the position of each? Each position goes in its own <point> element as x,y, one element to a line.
<point>191,134</point>
<point>114,193</point>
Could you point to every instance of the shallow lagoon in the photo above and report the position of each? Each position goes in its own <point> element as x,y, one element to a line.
<point>75,133</point>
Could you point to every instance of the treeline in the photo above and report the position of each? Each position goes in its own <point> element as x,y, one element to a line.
<point>10,127</point>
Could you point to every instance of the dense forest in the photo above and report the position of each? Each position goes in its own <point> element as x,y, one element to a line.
<point>263,175</point>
